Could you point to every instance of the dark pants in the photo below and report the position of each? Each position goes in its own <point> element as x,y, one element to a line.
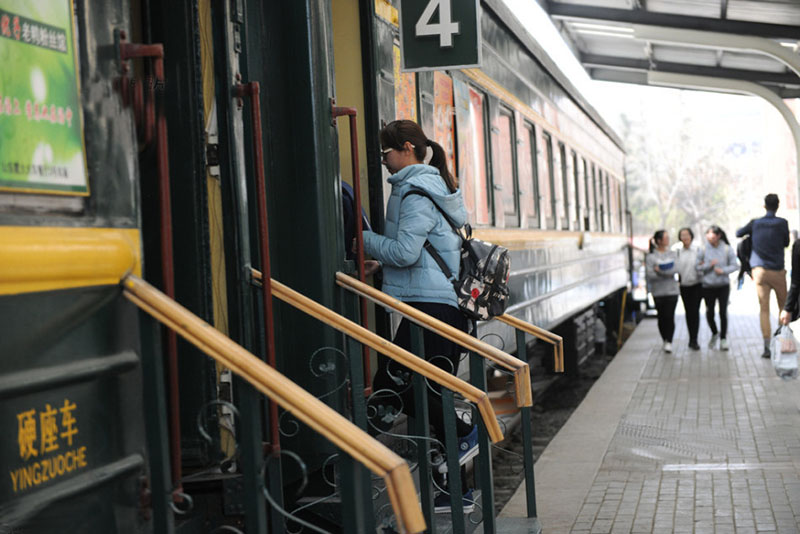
<point>666,316</point>
<point>691,297</point>
<point>711,295</point>
<point>439,351</point>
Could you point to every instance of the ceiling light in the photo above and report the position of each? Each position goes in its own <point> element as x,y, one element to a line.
<point>601,27</point>
<point>606,34</point>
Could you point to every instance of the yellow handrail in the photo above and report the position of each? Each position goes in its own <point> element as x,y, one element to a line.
<point>387,348</point>
<point>522,375</point>
<point>540,333</point>
<point>308,409</point>
<point>48,258</point>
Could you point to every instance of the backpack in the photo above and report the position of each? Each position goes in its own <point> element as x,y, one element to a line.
<point>743,250</point>
<point>482,282</point>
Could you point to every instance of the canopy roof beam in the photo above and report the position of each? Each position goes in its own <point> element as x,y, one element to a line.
<point>599,60</point>
<point>558,10</point>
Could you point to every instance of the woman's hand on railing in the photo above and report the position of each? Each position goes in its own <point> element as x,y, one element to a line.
<point>371,267</point>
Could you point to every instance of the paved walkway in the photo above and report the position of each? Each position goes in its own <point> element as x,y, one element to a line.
<point>704,442</point>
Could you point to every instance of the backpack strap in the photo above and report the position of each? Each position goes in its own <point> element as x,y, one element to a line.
<point>439,260</point>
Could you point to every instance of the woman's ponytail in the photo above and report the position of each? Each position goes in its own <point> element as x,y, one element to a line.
<point>658,236</point>
<point>439,160</point>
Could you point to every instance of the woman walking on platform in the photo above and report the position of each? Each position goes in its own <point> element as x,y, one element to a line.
<point>691,288</point>
<point>715,262</point>
<point>661,268</point>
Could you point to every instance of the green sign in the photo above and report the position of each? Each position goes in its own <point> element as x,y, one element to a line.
<point>440,34</point>
<point>41,130</point>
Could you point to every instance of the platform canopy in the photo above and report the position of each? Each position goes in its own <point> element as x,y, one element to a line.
<point>624,40</point>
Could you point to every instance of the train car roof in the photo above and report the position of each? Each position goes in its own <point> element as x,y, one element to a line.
<point>512,22</point>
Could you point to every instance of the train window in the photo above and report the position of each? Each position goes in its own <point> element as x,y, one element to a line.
<point>504,127</point>
<point>472,153</point>
<point>621,207</point>
<point>596,199</point>
<point>609,212</point>
<point>405,91</point>
<point>550,207</point>
<point>601,194</point>
<point>444,129</point>
<point>617,206</point>
<point>588,199</point>
<point>478,121</point>
<point>528,174</point>
<point>562,155</point>
<point>577,190</point>
<point>610,202</point>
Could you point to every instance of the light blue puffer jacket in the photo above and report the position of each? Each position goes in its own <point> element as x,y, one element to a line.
<point>410,274</point>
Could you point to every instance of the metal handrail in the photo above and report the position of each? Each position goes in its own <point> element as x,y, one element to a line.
<point>253,91</point>
<point>156,121</point>
<point>389,349</point>
<point>352,114</point>
<point>540,333</point>
<point>317,415</point>
<point>520,368</point>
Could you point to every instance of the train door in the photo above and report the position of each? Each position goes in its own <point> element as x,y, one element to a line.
<point>349,77</point>
<point>75,378</point>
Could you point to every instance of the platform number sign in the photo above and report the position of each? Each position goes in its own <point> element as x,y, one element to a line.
<point>440,34</point>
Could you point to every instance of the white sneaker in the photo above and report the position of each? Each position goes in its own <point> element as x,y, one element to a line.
<point>667,346</point>
<point>713,341</point>
<point>723,344</point>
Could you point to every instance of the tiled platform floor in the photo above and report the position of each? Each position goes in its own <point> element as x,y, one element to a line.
<point>703,442</point>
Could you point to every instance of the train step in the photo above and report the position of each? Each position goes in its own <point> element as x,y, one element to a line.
<point>472,520</point>
<point>515,525</point>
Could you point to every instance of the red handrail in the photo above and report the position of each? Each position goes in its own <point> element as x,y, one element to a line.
<point>156,53</point>
<point>253,90</point>
<point>352,113</point>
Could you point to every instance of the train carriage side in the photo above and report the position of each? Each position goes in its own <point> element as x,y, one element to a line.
<point>541,172</point>
<point>83,446</point>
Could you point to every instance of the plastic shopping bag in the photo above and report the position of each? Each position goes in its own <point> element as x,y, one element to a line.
<point>784,353</point>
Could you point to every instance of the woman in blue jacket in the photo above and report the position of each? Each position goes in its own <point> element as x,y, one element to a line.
<point>410,274</point>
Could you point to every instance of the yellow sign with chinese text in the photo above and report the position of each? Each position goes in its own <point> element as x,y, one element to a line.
<point>45,438</point>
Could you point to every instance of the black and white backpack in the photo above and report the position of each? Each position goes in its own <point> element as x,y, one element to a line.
<point>482,282</point>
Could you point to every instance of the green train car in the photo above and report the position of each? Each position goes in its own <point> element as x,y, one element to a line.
<point>134,137</point>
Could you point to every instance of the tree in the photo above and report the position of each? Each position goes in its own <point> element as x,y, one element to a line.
<point>677,178</point>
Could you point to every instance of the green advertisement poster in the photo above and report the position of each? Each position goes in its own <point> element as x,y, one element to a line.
<point>41,129</point>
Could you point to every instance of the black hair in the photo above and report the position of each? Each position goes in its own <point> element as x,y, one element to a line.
<point>691,234</point>
<point>720,232</point>
<point>771,202</point>
<point>658,236</point>
<point>396,133</point>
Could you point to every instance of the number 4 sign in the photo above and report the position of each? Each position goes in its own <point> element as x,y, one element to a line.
<point>440,34</point>
<point>445,28</point>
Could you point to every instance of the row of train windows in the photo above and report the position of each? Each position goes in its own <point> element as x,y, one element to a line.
<point>538,182</point>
